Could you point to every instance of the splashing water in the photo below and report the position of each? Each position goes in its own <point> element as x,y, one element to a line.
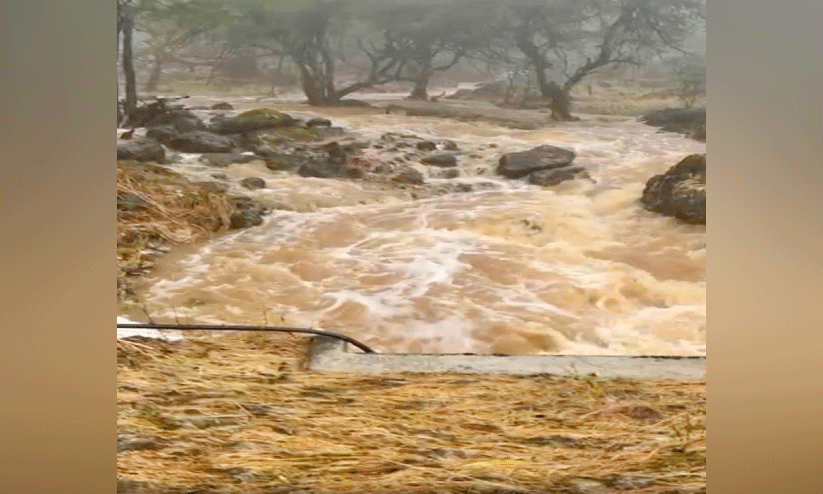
<point>578,268</point>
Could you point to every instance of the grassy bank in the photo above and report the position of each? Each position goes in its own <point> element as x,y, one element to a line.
<point>238,413</point>
<point>157,209</point>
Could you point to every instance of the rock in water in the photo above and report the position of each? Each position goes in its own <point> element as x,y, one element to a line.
<point>201,141</point>
<point>319,122</point>
<point>163,134</point>
<point>518,165</point>
<point>409,176</point>
<point>222,160</point>
<point>252,183</point>
<point>245,219</point>
<point>557,175</point>
<point>442,160</point>
<point>680,192</point>
<point>141,150</point>
<point>426,146</point>
<point>222,106</point>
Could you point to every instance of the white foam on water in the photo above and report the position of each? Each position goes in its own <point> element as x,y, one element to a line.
<point>576,269</point>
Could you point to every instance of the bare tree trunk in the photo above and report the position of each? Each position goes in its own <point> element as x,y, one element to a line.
<point>420,87</point>
<point>561,102</point>
<point>128,63</point>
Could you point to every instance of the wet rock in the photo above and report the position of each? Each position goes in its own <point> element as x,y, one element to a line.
<point>201,141</point>
<point>163,134</point>
<point>409,176</point>
<point>548,178</point>
<point>319,122</point>
<point>181,120</point>
<point>384,168</point>
<point>426,146</point>
<point>222,106</point>
<point>246,218</point>
<point>141,150</point>
<point>220,176</point>
<point>442,160</point>
<point>213,187</point>
<point>253,183</point>
<point>680,192</point>
<point>520,164</point>
<point>222,160</point>
<point>449,145</point>
<point>451,173</point>
<point>321,169</point>
<point>253,120</point>
<point>284,162</point>
<point>682,120</point>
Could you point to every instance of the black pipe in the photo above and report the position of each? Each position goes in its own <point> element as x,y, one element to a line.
<point>215,327</point>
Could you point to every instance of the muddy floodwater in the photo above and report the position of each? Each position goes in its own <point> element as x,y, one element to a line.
<point>511,268</point>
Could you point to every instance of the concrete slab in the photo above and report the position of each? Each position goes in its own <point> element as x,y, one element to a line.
<point>331,355</point>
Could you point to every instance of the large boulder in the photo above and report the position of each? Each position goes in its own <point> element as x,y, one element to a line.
<point>523,163</point>
<point>141,150</point>
<point>201,141</point>
<point>251,121</point>
<point>680,192</point>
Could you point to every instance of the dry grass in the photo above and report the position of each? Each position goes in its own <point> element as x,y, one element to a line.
<point>164,209</point>
<point>237,413</point>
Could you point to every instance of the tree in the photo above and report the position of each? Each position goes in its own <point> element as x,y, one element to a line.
<point>125,25</point>
<point>427,38</point>
<point>593,34</point>
<point>303,31</point>
<point>173,25</point>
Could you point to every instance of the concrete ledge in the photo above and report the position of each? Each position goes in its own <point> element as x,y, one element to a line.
<point>331,355</point>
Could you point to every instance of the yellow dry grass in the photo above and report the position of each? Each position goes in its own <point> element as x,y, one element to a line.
<point>168,210</point>
<point>238,413</point>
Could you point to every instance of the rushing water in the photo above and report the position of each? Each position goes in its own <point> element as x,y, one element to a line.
<point>517,269</point>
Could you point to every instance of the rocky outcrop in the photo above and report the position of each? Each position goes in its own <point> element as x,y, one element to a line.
<point>689,121</point>
<point>524,163</point>
<point>680,192</point>
<point>141,150</point>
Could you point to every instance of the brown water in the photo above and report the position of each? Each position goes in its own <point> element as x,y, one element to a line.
<point>576,269</point>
